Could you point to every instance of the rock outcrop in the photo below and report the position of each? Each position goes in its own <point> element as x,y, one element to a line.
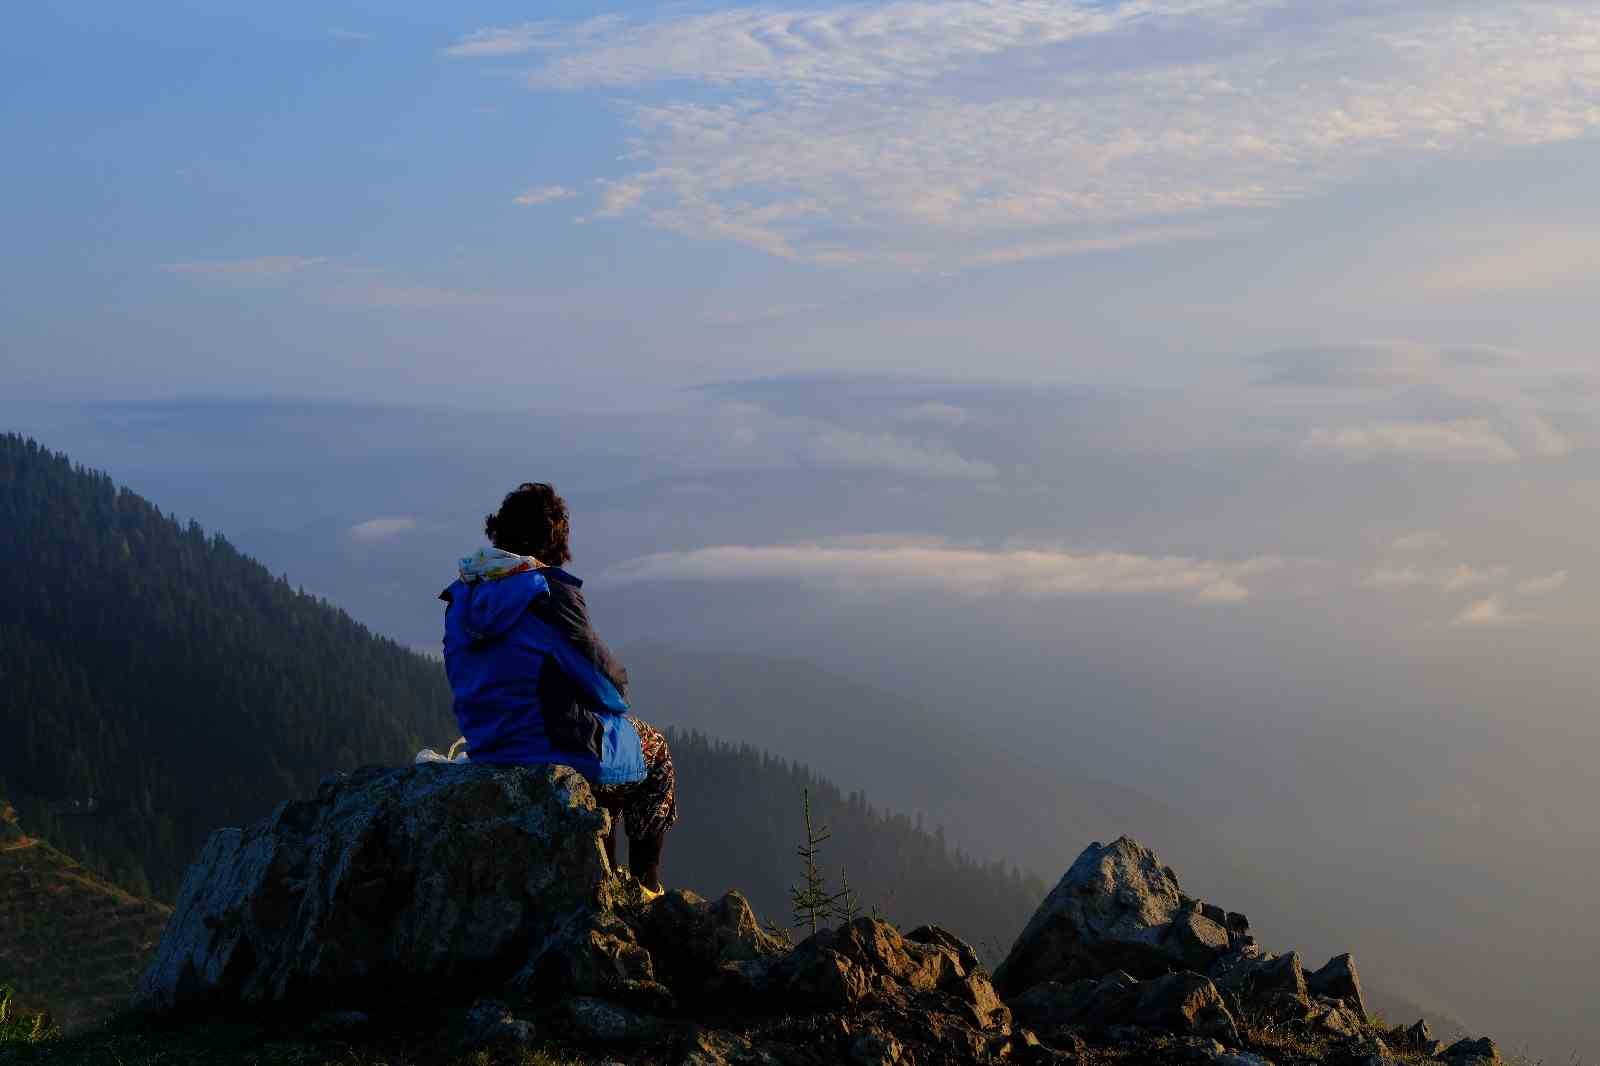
<point>490,889</point>
<point>387,880</point>
<point>1117,947</point>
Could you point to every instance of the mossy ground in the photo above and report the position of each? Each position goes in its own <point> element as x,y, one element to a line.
<point>131,1041</point>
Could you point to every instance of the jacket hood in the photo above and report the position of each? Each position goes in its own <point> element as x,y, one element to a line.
<point>492,564</point>
<point>494,591</point>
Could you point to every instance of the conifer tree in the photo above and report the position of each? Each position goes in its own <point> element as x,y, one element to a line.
<point>811,899</point>
<point>848,908</point>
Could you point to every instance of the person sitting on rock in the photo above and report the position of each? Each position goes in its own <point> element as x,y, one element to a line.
<point>534,684</point>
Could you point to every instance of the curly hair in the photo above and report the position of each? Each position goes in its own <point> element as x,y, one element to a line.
<point>532,520</point>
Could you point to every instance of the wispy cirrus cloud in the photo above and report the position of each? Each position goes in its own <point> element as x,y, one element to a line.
<point>937,133</point>
<point>852,450</point>
<point>1452,579</point>
<point>545,194</point>
<point>1543,585</point>
<point>1421,540</point>
<point>913,563</point>
<point>1464,440</point>
<point>1466,403</point>
<point>340,283</point>
<point>255,268</point>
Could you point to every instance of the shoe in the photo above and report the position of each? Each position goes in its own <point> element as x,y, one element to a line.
<point>457,754</point>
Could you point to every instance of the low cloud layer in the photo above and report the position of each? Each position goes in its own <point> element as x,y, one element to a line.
<point>914,563</point>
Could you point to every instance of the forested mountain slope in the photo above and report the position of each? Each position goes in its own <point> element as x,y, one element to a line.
<point>743,819</point>
<point>155,683</point>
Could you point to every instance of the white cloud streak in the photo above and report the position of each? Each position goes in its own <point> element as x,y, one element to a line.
<point>936,413</point>
<point>850,450</point>
<point>1542,586</point>
<point>1489,611</point>
<point>1462,440</point>
<point>336,283</point>
<point>1456,579</point>
<point>958,132</point>
<point>1422,540</point>
<point>258,268</point>
<point>1510,406</point>
<point>911,564</point>
<point>543,195</point>
<point>381,528</point>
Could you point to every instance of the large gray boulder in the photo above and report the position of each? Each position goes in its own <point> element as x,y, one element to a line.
<point>1116,908</point>
<point>387,882</point>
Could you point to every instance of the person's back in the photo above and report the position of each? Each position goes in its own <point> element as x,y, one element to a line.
<point>534,683</point>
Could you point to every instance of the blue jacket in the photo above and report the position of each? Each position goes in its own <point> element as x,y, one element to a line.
<point>532,681</point>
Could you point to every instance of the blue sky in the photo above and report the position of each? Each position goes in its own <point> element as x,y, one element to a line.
<point>429,203</point>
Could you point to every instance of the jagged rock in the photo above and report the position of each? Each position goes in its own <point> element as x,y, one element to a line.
<point>490,1023</point>
<point>816,975</point>
<point>593,954</point>
<point>869,961</point>
<point>1418,1038</point>
<point>1182,1003</point>
<point>876,1049</point>
<point>607,1023</point>
<point>390,882</point>
<point>965,954</point>
<point>1369,1049</point>
<point>707,951</point>
<point>1276,985</point>
<point>1481,1052</point>
<point>1105,1002</point>
<point>1333,1016</point>
<point>1110,911</point>
<point>1338,978</point>
<point>1185,1003</point>
<point>340,1022</point>
<point>1196,941</point>
<point>719,1048</point>
<point>440,883</point>
<point>1240,1058</point>
<point>980,1003</point>
<point>1051,1004</point>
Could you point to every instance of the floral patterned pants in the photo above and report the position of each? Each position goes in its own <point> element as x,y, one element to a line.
<point>648,808</point>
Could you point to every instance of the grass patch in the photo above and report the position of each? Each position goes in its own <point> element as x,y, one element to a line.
<point>18,1027</point>
<point>130,1040</point>
<point>81,941</point>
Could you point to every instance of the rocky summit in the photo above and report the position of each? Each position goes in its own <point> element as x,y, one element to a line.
<point>485,894</point>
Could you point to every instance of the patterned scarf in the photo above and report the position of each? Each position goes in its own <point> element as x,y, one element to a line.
<point>492,564</point>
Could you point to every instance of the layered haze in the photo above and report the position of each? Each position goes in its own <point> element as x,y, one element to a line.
<point>1195,397</point>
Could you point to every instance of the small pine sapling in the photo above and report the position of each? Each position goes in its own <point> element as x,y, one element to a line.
<point>810,899</point>
<point>847,907</point>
